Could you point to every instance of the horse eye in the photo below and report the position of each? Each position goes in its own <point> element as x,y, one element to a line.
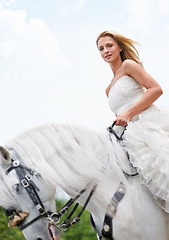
<point>17,187</point>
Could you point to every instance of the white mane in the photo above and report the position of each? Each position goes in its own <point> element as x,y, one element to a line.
<point>7,193</point>
<point>71,157</point>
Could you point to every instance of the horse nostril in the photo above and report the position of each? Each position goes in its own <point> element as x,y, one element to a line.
<point>39,238</point>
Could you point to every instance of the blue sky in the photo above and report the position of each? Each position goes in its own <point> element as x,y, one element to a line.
<point>50,69</point>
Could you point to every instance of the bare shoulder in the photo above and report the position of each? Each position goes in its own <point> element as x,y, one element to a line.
<point>137,72</point>
<point>129,67</point>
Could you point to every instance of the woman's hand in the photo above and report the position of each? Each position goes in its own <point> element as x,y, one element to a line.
<point>123,118</point>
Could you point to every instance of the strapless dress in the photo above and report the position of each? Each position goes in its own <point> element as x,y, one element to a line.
<point>146,138</point>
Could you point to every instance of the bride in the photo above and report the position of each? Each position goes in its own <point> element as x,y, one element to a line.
<point>131,96</point>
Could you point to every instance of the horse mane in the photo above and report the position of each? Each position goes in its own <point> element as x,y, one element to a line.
<point>67,156</point>
<point>8,195</point>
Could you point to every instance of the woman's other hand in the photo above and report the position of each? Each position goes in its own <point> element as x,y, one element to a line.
<point>123,118</point>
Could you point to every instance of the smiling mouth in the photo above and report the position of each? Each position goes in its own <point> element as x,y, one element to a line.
<point>55,232</point>
<point>108,56</point>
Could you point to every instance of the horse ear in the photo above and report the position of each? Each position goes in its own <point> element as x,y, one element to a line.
<point>4,156</point>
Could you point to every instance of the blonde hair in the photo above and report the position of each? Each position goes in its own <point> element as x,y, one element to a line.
<point>129,51</point>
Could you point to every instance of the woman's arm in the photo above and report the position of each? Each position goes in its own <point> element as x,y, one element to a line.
<point>152,93</point>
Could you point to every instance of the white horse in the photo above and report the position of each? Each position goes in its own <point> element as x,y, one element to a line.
<point>77,159</point>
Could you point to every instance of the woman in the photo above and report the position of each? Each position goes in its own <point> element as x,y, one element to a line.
<point>131,95</point>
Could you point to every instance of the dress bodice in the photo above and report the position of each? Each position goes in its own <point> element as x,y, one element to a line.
<point>124,93</point>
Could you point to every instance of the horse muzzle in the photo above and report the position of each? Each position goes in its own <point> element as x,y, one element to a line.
<point>54,231</point>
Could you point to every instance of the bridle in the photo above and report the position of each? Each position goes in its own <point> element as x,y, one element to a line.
<point>25,179</point>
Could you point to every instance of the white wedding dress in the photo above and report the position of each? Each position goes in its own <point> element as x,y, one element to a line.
<point>146,138</point>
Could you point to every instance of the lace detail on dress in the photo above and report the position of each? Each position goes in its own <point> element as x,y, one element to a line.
<point>124,93</point>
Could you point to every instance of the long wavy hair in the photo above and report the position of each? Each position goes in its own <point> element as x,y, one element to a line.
<point>129,51</point>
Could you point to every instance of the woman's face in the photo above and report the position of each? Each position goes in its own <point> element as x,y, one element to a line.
<point>109,49</point>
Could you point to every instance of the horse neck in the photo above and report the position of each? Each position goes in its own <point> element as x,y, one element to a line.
<point>71,157</point>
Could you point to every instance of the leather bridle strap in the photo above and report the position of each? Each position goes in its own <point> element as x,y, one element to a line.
<point>31,189</point>
<point>65,223</point>
<point>107,230</point>
<point>28,184</point>
<point>22,226</point>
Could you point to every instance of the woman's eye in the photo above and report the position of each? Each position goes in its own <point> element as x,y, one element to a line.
<point>110,45</point>
<point>100,49</point>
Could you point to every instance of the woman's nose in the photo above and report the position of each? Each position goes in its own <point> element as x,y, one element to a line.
<point>105,50</point>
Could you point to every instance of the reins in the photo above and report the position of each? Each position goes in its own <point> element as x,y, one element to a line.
<point>66,224</point>
<point>120,138</point>
<point>111,130</point>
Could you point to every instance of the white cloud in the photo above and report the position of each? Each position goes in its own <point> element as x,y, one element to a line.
<point>164,7</point>
<point>30,63</point>
<point>78,5</point>
<point>145,14</point>
<point>68,7</point>
<point>26,46</point>
<point>8,3</point>
<point>138,13</point>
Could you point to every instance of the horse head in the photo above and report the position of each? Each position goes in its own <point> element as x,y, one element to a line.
<point>27,206</point>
